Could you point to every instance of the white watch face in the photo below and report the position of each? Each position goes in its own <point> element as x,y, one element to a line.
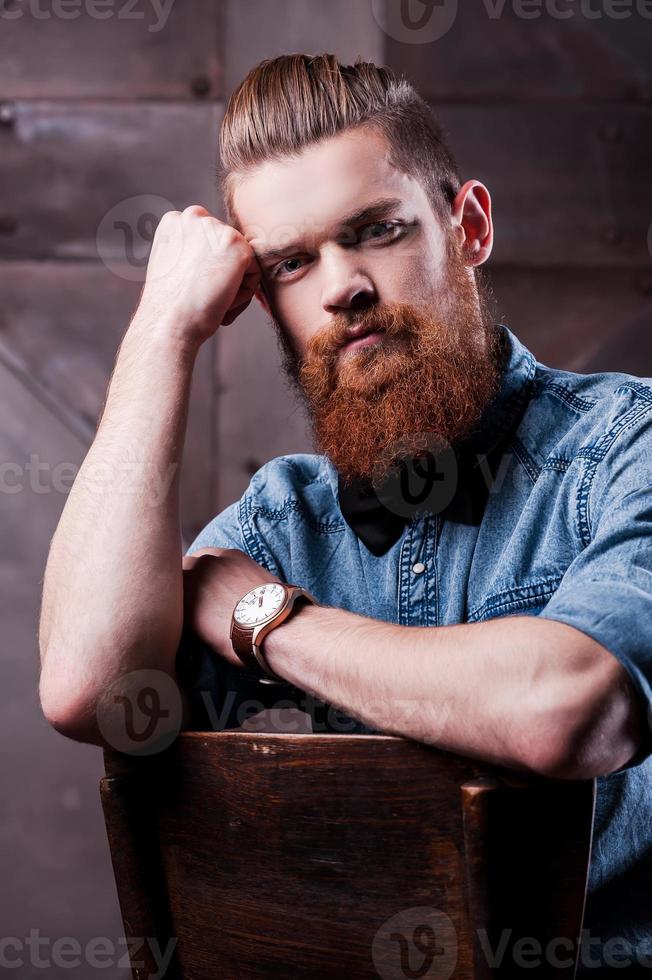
<point>259,604</point>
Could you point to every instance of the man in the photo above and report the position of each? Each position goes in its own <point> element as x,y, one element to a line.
<point>474,527</point>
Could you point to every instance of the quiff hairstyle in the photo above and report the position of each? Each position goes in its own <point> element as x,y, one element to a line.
<point>287,103</point>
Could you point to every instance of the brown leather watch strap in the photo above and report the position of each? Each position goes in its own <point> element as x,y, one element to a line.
<point>241,640</point>
<point>250,653</point>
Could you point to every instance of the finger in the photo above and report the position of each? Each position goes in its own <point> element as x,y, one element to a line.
<point>253,266</point>
<point>189,561</point>
<point>243,295</point>
<point>252,279</point>
<point>198,210</point>
<point>234,313</point>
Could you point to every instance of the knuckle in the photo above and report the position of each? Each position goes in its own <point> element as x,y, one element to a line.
<point>242,250</point>
<point>196,209</point>
<point>216,552</point>
<point>231,553</point>
<point>231,242</point>
<point>230,234</point>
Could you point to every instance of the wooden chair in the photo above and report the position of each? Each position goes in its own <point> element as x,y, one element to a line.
<point>343,856</point>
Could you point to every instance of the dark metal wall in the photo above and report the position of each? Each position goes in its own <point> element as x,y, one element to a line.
<point>106,123</point>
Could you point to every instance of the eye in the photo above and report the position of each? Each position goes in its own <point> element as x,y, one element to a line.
<point>379,230</point>
<point>282,267</point>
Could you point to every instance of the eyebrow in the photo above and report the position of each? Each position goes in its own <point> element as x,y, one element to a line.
<point>384,207</point>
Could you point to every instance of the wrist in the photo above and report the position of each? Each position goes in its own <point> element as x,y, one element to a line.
<point>165,330</point>
<point>293,641</point>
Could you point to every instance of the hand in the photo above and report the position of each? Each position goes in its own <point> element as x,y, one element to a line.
<point>201,273</point>
<point>214,579</point>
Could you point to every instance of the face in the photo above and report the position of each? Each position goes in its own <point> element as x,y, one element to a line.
<point>383,328</point>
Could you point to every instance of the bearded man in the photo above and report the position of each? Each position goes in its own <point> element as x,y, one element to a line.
<point>464,560</point>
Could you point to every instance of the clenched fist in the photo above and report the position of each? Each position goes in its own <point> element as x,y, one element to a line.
<point>201,273</point>
<point>214,579</point>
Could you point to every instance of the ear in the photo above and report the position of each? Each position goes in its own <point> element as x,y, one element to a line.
<point>471,220</point>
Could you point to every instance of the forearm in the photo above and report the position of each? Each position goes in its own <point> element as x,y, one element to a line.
<point>112,593</point>
<point>510,691</point>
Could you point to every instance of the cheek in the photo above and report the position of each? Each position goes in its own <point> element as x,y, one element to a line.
<point>298,310</point>
<point>408,275</point>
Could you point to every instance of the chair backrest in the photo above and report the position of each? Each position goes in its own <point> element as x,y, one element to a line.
<point>332,856</point>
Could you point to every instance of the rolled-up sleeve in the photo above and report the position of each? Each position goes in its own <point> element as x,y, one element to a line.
<point>223,531</point>
<point>606,591</point>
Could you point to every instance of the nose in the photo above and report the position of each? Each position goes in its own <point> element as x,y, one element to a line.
<point>347,289</point>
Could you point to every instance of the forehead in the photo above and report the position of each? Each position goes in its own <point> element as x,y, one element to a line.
<point>327,180</point>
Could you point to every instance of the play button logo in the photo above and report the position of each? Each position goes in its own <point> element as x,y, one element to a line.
<point>415,21</point>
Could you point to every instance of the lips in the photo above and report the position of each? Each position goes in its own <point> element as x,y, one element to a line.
<point>365,340</point>
<point>360,336</point>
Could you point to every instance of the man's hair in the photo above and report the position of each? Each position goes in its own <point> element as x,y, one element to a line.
<point>288,103</point>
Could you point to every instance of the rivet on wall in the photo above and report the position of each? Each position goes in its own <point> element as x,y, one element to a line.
<point>7,114</point>
<point>200,86</point>
<point>8,225</point>
<point>613,236</point>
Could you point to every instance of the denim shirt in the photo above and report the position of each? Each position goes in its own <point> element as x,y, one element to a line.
<point>566,534</point>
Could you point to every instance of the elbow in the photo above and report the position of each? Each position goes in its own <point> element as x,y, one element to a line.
<point>563,754</point>
<point>67,712</point>
<point>568,764</point>
<point>68,719</point>
<point>599,735</point>
<point>139,713</point>
<point>71,723</point>
<point>586,762</point>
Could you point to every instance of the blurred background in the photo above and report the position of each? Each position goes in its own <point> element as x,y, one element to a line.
<point>109,115</point>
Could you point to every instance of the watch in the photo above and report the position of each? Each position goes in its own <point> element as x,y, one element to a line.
<point>256,615</point>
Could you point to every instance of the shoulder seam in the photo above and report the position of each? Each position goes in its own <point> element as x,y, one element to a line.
<point>568,397</point>
<point>595,455</point>
<point>645,391</point>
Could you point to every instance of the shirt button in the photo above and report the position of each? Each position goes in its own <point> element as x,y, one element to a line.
<point>418,567</point>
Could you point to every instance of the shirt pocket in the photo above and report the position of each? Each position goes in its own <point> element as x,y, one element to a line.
<point>529,599</point>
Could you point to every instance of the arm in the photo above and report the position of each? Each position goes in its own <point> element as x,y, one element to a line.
<point>518,691</point>
<point>112,593</point>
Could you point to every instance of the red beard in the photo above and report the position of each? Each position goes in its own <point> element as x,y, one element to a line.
<point>425,384</point>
